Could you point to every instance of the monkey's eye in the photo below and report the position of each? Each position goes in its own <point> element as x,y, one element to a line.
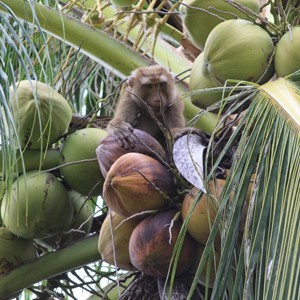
<point>162,85</point>
<point>149,86</point>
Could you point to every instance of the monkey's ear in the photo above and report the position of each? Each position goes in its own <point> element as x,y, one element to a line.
<point>131,80</point>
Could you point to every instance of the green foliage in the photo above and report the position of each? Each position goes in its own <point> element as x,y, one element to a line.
<point>84,50</point>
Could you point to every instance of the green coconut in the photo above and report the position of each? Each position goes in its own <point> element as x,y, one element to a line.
<point>239,50</point>
<point>201,16</point>
<point>80,225</point>
<point>41,115</point>
<point>31,160</point>
<point>36,206</point>
<point>82,176</point>
<point>287,55</point>
<point>14,251</point>
<point>198,82</point>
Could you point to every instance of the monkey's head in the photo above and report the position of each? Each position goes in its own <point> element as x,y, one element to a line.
<point>152,86</point>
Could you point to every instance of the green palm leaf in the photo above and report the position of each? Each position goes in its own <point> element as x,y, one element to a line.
<point>268,256</point>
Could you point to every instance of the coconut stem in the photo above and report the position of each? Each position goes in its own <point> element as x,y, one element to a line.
<point>81,253</point>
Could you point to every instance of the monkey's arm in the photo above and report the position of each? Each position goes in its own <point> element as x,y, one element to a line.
<point>125,118</point>
<point>174,115</point>
<point>177,124</point>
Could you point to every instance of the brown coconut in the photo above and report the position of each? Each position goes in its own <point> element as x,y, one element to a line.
<point>137,183</point>
<point>152,243</point>
<point>110,150</point>
<point>114,238</point>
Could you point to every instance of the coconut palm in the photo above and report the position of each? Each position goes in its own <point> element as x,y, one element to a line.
<point>84,49</point>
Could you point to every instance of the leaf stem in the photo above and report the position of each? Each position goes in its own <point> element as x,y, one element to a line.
<point>81,253</point>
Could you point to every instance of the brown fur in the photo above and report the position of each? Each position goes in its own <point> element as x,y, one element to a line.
<point>149,98</point>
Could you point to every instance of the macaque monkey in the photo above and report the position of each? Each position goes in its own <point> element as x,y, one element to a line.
<point>150,98</point>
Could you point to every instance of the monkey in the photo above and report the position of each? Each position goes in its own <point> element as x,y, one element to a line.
<point>149,102</point>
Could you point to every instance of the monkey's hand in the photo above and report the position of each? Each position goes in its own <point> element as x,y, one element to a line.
<point>122,133</point>
<point>179,132</point>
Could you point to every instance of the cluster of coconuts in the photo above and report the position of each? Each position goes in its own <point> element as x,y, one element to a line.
<point>143,222</point>
<point>52,208</point>
<point>234,49</point>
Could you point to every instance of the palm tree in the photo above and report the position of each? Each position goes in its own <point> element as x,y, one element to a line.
<point>84,49</point>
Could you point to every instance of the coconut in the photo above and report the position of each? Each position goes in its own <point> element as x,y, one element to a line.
<point>208,274</point>
<point>202,217</point>
<point>114,238</point>
<point>137,183</point>
<point>198,81</point>
<point>240,50</point>
<point>287,55</point>
<point>36,206</point>
<point>41,115</point>
<point>14,251</point>
<point>83,177</point>
<point>79,226</point>
<point>32,160</point>
<point>201,16</point>
<point>152,242</point>
<point>110,149</point>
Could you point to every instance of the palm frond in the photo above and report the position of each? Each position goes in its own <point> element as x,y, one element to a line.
<point>266,258</point>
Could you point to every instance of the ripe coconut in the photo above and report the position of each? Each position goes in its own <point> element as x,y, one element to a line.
<point>36,206</point>
<point>152,243</point>
<point>136,183</point>
<point>83,177</point>
<point>208,274</point>
<point>110,150</point>
<point>198,82</point>
<point>41,115</point>
<point>201,16</point>
<point>114,238</point>
<point>203,216</point>
<point>14,251</point>
<point>238,49</point>
<point>287,55</point>
<point>79,226</point>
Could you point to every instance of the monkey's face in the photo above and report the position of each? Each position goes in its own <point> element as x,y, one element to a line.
<point>152,88</point>
<point>154,96</point>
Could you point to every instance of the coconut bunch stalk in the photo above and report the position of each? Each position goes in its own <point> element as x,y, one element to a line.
<point>268,147</point>
<point>289,9</point>
<point>123,3</point>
